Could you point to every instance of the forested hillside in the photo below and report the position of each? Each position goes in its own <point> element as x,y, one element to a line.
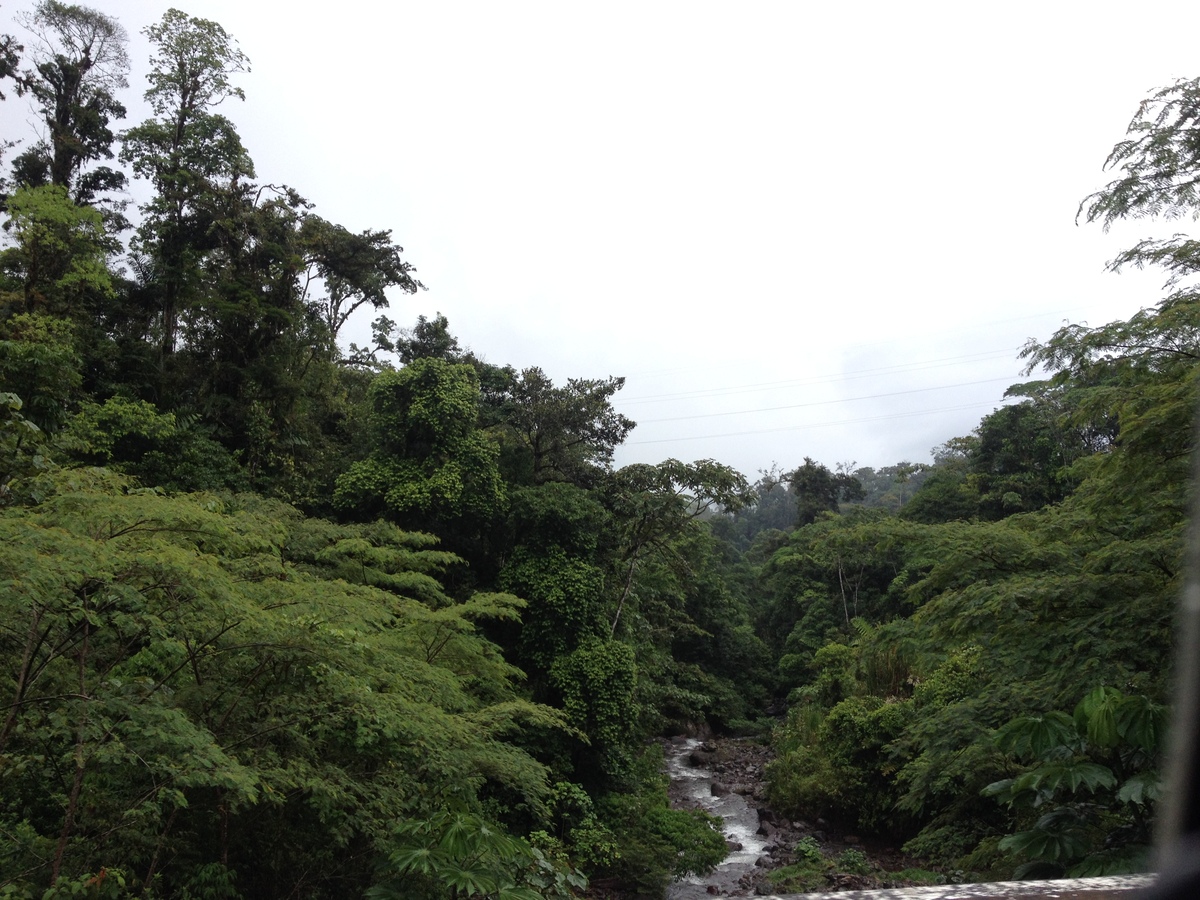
<point>286,617</point>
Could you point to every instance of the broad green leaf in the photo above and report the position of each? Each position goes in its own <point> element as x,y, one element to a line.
<point>1096,716</point>
<point>1036,735</point>
<point>1142,723</point>
<point>1142,788</point>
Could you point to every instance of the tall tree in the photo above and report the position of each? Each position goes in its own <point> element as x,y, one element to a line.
<point>651,505</point>
<point>570,432</point>
<point>354,270</point>
<point>10,58</point>
<point>428,338</point>
<point>79,65</point>
<point>191,154</point>
<point>818,490</point>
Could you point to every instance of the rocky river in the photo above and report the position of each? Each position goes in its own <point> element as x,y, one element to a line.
<point>693,785</point>
<point>725,778</point>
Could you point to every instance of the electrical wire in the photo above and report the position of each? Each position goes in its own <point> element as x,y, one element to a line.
<point>709,365</point>
<point>859,421</point>
<point>943,362</point>
<point>742,412</point>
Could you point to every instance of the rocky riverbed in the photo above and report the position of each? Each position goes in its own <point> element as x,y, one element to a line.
<point>725,777</point>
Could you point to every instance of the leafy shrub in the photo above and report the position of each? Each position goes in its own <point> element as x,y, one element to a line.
<point>808,852</point>
<point>843,765</point>
<point>654,843</point>
<point>944,844</point>
<point>807,873</point>
<point>470,856</point>
<point>1081,816</point>
<point>853,861</point>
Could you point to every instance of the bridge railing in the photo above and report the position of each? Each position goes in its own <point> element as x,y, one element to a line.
<point>1124,887</point>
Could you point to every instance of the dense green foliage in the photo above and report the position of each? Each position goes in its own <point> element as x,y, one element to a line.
<point>935,656</point>
<point>285,619</point>
<point>282,618</point>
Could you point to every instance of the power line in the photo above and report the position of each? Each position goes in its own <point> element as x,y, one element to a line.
<point>859,421</point>
<point>942,362</point>
<point>948,332</point>
<point>740,412</point>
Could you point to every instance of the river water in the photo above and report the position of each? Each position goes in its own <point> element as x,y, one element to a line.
<point>693,786</point>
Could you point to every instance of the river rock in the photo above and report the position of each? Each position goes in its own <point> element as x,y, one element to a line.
<point>718,789</point>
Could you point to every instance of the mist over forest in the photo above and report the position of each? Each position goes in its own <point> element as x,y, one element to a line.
<point>288,615</point>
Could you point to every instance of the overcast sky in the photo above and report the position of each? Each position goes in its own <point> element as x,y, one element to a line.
<point>796,228</point>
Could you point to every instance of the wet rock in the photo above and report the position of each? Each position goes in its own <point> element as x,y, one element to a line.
<point>850,839</point>
<point>733,846</point>
<point>718,789</point>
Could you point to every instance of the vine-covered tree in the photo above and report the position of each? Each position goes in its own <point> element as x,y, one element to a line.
<point>58,258</point>
<point>430,466</point>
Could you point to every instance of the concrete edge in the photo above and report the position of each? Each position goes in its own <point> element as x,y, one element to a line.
<point>987,891</point>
